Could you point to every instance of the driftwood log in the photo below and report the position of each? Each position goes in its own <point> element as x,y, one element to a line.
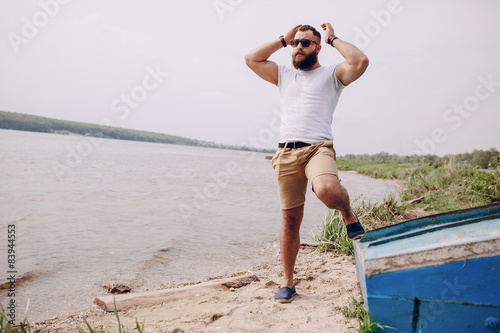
<point>416,200</point>
<point>149,298</point>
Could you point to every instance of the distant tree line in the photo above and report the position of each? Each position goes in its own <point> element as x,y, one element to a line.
<point>483,158</point>
<point>25,122</point>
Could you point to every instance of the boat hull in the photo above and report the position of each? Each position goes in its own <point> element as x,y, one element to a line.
<point>435,274</point>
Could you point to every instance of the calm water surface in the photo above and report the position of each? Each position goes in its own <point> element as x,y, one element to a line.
<point>91,212</point>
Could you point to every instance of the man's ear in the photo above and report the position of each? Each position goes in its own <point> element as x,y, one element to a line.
<point>318,48</point>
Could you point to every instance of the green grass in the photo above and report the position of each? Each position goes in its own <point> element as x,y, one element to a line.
<point>6,327</point>
<point>377,169</point>
<point>445,186</point>
<point>333,233</point>
<point>356,309</point>
<point>448,187</point>
<point>24,326</point>
<point>366,323</point>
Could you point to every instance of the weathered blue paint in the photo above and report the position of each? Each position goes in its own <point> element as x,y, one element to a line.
<point>433,317</point>
<point>465,216</point>
<point>467,281</point>
<point>436,274</point>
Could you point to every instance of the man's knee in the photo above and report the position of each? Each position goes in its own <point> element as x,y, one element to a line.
<point>327,187</point>
<point>292,218</point>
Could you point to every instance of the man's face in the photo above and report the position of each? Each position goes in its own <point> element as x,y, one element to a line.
<point>305,57</point>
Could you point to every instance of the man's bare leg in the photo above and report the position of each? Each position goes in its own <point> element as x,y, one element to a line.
<point>290,242</point>
<point>328,189</point>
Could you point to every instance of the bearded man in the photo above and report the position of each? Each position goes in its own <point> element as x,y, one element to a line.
<point>308,96</point>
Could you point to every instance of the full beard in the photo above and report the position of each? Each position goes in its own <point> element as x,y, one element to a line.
<point>307,62</point>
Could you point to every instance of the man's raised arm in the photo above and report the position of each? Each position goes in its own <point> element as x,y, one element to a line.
<point>355,62</point>
<point>257,59</point>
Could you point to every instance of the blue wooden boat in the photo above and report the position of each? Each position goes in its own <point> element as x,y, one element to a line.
<point>439,273</point>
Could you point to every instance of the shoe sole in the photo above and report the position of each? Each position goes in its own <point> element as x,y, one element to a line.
<point>357,237</point>
<point>285,300</point>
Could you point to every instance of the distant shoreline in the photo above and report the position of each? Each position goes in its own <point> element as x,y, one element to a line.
<point>32,123</point>
<point>398,182</point>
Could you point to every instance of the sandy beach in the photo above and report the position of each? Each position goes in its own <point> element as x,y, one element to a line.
<point>325,284</point>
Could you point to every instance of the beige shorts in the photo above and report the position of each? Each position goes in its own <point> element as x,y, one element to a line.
<point>294,167</point>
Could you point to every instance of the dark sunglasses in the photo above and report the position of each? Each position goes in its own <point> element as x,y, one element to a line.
<point>305,42</point>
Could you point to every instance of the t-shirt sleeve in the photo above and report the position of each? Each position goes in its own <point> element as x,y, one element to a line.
<point>336,82</point>
<point>284,73</point>
<point>281,68</point>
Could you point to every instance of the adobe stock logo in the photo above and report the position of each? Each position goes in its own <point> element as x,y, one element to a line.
<point>381,20</point>
<point>456,114</point>
<point>138,93</point>
<point>223,6</point>
<point>429,311</point>
<point>122,106</point>
<point>31,28</point>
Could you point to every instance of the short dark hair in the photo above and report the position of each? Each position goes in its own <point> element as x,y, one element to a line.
<point>306,27</point>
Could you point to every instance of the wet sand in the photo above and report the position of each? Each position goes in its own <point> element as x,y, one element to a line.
<point>325,283</point>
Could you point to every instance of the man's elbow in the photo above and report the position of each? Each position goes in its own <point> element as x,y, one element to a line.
<point>363,63</point>
<point>249,60</point>
<point>360,65</point>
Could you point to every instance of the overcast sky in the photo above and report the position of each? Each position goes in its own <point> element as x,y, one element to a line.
<point>433,84</point>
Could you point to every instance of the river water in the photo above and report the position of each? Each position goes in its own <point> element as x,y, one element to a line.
<point>90,212</point>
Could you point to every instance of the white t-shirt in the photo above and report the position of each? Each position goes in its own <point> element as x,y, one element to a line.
<point>307,102</point>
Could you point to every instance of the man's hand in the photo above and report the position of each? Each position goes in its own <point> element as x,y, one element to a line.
<point>257,59</point>
<point>291,34</point>
<point>355,62</point>
<point>327,27</point>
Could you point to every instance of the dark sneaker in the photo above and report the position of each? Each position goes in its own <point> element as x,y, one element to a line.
<point>285,295</point>
<point>355,230</point>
